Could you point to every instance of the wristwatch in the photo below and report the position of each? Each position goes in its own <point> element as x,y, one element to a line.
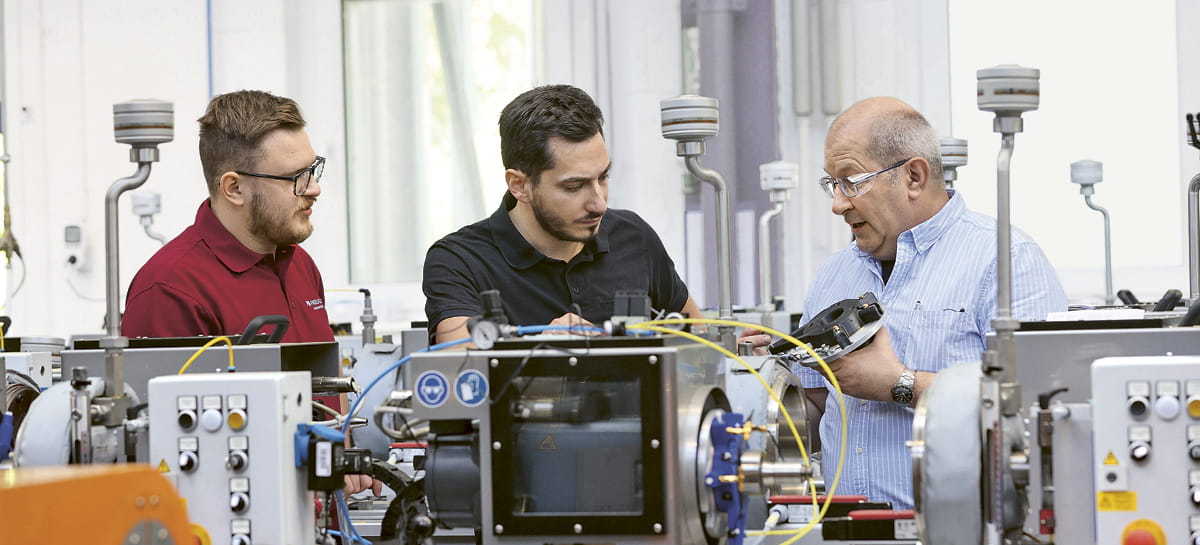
<point>902,392</point>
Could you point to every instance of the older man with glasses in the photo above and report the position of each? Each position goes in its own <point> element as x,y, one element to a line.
<point>932,262</point>
<point>241,258</point>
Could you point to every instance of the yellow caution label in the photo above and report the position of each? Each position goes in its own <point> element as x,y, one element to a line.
<point>548,443</point>
<point>1116,501</point>
<point>1111,460</point>
<point>162,466</point>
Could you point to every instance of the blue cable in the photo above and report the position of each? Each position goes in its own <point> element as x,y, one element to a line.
<point>344,512</point>
<point>527,329</point>
<point>353,533</point>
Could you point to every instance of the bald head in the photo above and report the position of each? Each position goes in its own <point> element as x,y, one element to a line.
<point>889,130</point>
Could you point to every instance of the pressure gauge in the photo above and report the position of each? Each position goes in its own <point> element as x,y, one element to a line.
<point>484,334</point>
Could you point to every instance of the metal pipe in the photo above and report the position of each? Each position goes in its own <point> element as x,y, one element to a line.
<point>112,243</point>
<point>1194,237</point>
<point>1004,229</point>
<point>764,256</point>
<point>724,269</point>
<point>1108,281</point>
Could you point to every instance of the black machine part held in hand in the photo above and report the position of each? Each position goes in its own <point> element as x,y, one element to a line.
<point>836,331</point>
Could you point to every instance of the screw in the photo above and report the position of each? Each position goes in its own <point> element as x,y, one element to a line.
<point>572,361</point>
<point>496,446</point>
<point>654,443</point>
<point>653,359</point>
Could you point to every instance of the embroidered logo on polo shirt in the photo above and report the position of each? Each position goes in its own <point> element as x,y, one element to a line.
<point>315,304</point>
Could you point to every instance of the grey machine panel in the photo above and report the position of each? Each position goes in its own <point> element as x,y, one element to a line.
<point>1063,359</point>
<point>143,364</point>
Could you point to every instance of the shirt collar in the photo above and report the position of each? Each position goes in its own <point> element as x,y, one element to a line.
<point>928,232</point>
<point>925,234</point>
<point>229,250</point>
<point>517,251</point>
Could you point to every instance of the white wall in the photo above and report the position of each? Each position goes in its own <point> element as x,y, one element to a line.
<point>1110,92</point>
<point>67,62</point>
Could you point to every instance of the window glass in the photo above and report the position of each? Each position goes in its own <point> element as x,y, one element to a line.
<point>425,83</point>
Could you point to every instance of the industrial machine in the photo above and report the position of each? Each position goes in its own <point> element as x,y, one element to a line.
<point>609,440</point>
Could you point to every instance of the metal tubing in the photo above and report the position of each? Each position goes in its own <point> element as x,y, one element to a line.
<point>1194,237</point>
<point>1004,230</point>
<point>764,255</point>
<point>724,278</point>
<point>112,243</point>
<point>1108,281</point>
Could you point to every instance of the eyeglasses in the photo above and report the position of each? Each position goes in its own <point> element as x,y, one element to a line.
<point>300,180</point>
<point>850,186</point>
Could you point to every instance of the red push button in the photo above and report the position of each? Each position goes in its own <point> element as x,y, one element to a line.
<point>1143,532</point>
<point>1139,537</point>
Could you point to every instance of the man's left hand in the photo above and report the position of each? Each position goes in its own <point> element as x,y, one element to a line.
<point>871,371</point>
<point>357,483</point>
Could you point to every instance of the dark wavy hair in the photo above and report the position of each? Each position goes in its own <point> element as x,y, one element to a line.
<point>529,122</point>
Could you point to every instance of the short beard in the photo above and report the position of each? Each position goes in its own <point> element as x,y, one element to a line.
<point>557,227</point>
<point>273,225</point>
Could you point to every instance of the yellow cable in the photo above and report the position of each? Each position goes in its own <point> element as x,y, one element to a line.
<point>205,347</point>
<point>829,374</point>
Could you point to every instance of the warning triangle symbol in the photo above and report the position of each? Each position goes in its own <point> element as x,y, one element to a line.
<point>1111,460</point>
<point>162,466</point>
<point>548,443</point>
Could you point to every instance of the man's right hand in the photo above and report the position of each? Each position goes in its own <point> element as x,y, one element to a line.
<point>757,339</point>
<point>572,320</point>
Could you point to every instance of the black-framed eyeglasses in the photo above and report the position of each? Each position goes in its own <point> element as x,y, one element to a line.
<point>300,180</point>
<point>851,186</point>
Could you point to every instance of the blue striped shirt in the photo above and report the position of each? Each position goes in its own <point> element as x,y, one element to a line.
<point>938,305</point>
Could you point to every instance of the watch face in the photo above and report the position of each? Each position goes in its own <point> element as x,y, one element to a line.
<point>902,394</point>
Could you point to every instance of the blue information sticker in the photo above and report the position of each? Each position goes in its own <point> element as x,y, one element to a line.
<point>432,389</point>
<point>471,388</point>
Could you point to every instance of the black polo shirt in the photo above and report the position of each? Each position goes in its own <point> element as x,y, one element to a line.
<point>626,254</point>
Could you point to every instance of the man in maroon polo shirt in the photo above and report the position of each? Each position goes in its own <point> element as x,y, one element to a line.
<point>241,258</point>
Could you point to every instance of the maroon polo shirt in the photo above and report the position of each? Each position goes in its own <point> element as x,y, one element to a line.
<point>205,282</point>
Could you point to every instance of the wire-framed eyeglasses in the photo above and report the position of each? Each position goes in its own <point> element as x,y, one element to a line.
<point>300,180</point>
<point>851,186</point>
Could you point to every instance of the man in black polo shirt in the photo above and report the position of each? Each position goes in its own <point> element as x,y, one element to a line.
<point>553,249</point>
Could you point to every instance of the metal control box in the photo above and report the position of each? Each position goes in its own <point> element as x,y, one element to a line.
<point>1146,448</point>
<point>226,440</point>
<point>38,366</point>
